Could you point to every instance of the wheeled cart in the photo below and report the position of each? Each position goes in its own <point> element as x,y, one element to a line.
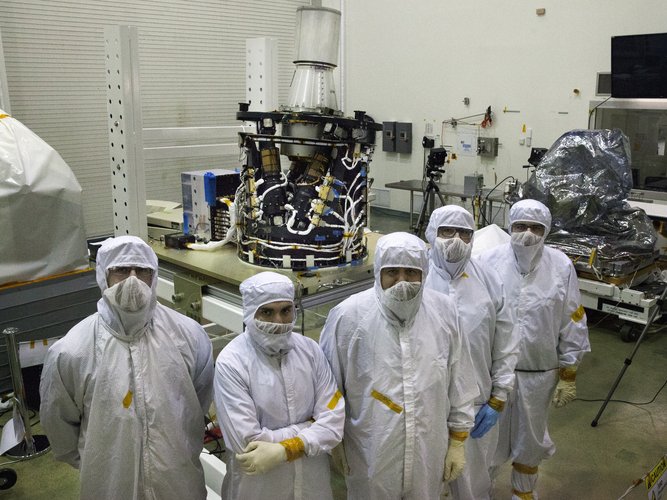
<point>633,305</point>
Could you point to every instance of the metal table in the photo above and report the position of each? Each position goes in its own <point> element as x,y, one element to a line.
<point>205,285</point>
<point>457,191</point>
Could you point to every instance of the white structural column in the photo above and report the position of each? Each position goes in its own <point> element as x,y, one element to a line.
<point>262,73</point>
<point>125,131</point>
<point>4,91</point>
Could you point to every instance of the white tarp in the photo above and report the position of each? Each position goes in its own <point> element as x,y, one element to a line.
<point>41,218</point>
<point>489,237</point>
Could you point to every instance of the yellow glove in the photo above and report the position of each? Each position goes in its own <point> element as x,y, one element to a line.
<point>455,460</point>
<point>566,390</point>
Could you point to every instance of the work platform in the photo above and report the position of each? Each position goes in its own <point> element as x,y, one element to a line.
<point>205,285</point>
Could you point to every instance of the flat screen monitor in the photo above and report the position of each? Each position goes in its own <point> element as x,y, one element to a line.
<point>639,66</point>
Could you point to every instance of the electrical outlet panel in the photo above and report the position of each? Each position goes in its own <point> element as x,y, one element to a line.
<point>487,146</point>
<point>403,137</point>
<point>389,137</point>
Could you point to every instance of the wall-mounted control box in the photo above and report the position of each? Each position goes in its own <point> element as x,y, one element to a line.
<point>403,137</point>
<point>487,146</point>
<point>389,137</point>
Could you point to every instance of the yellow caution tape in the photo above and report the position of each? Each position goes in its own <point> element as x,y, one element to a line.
<point>385,400</point>
<point>524,469</point>
<point>294,448</point>
<point>523,495</point>
<point>458,435</point>
<point>496,404</point>
<point>579,314</point>
<point>127,400</point>
<point>334,400</point>
<point>591,257</point>
<point>568,373</point>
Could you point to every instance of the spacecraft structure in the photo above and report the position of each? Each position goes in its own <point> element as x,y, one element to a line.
<point>313,213</point>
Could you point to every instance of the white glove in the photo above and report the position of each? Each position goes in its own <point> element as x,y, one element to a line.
<point>566,391</point>
<point>455,460</point>
<point>340,460</point>
<point>260,457</point>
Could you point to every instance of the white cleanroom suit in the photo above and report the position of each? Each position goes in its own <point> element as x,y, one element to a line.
<point>543,291</point>
<point>406,374</point>
<point>487,325</point>
<point>126,404</point>
<point>274,387</point>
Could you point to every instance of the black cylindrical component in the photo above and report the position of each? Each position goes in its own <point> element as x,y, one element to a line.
<point>274,194</point>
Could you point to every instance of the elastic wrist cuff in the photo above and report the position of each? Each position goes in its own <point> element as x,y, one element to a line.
<point>294,448</point>
<point>496,404</point>
<point>458,435</point>
<point>568,373</point>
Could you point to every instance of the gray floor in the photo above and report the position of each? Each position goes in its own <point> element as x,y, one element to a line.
<point>590,463</point>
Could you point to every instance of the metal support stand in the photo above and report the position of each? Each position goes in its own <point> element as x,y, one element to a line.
<point>628,361</point>
<point>32,446</point>
<point>428,201</point>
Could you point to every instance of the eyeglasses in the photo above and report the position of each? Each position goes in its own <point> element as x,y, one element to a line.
<point>451,232</point>
<point>122,272</point>
<point>520,227</point>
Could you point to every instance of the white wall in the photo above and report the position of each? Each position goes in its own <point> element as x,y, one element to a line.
<point>416,61</point>
<point>192,73</point>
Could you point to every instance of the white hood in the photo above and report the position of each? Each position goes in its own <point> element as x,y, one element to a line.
<point>124,251</point>
<point>530,211</point>
<point>450,216</point>
<point>261,289</point>
<point>399,250</point>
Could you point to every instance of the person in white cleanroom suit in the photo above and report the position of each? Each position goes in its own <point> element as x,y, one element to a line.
<point>543,291</point>
<point>278,405</point>
<point>405,370</point>
<point>487,325</point>
<point>124,393</point>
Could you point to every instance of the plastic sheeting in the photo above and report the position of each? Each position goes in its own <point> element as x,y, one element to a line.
<point>585,179</point>
<point>41,218</point>
<point>489,237</point>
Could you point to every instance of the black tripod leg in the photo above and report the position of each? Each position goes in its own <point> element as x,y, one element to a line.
<point>628,361</point>
<point>442,199</point>
<point>422,213</point>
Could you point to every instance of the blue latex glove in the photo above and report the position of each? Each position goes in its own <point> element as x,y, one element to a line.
<point>485,419</point>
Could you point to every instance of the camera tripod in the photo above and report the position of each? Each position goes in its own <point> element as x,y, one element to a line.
<point>430,191</point>
<point>628,361</point>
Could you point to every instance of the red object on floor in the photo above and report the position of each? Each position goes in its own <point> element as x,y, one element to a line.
<point>212,435</point>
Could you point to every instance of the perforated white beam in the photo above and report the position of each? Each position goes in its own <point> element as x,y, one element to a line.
<point>262,73</point>
<point>4,90</point>
<point>125,129</point>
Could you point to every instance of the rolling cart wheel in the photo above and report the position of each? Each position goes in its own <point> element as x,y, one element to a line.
<point>629,332</point>
<point>7,478</point>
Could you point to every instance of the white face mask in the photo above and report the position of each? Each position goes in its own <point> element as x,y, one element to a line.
<point>131,299</point>
<point>271,338</point>
<point>527,248</point>
<point>273,328</point>
<point>452,255</point>
<point>456,249</point>
<point>404,290</point>
<point>130,295</point>
<point>526,238</point>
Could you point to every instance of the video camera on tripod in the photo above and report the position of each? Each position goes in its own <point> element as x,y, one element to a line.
<point>435,162</point>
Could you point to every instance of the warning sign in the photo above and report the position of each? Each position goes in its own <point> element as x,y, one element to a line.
<point>656,480</point>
